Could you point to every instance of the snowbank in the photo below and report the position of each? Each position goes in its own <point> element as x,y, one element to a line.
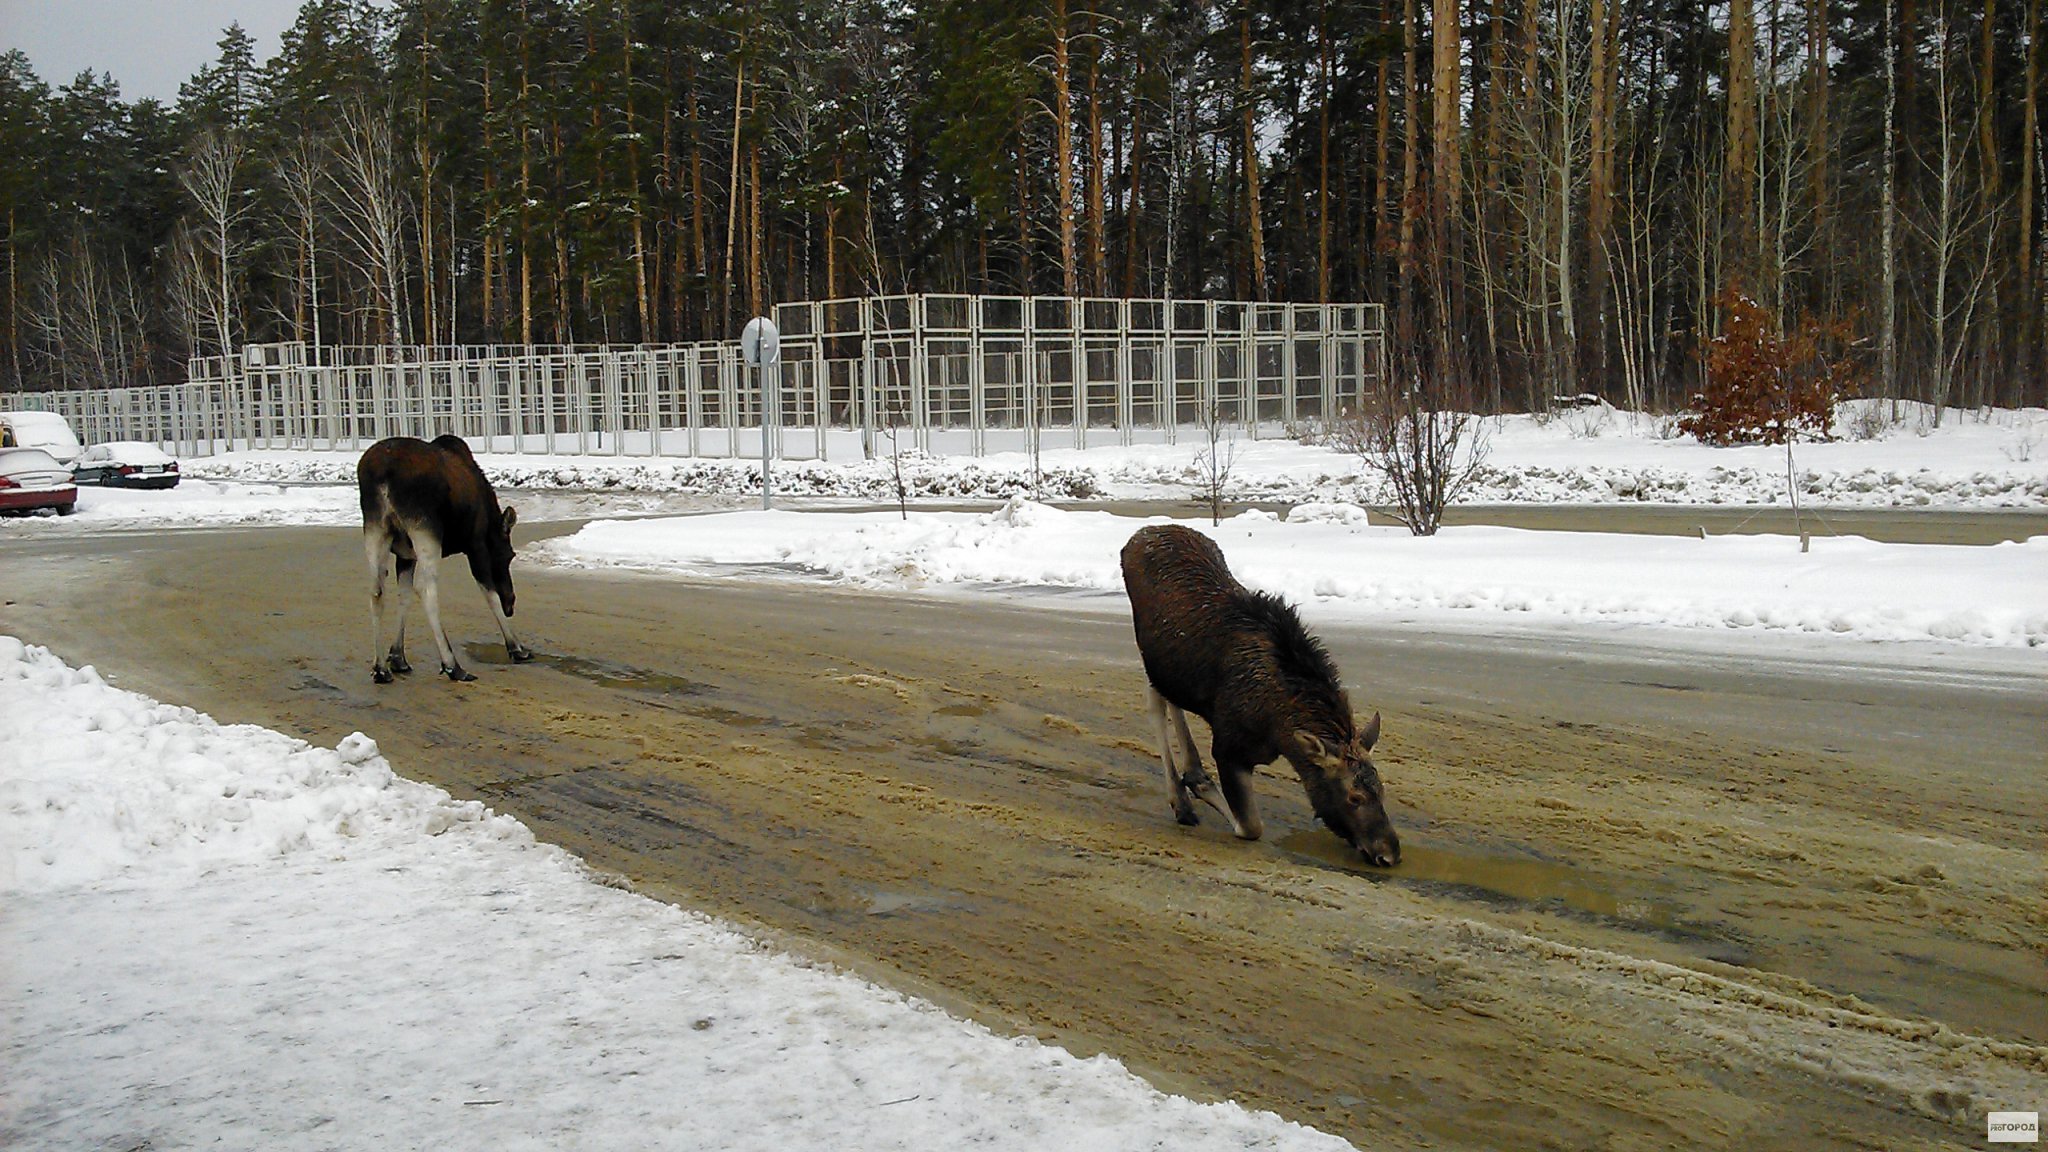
<point>1326,554</point>
<point>216,503</point>
<point>220,935</point>
<point>1994,459</point>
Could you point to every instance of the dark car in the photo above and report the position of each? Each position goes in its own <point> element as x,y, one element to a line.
<point>31,478</point>
<point>126,464</point>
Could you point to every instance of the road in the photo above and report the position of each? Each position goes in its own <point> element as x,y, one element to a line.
<point>1650,897</point>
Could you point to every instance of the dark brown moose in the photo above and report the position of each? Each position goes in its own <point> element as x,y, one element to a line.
<point>421,502</point>
<point>1242,661</point>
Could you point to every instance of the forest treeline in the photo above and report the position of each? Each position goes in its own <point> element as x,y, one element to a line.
<point>1550,196</point>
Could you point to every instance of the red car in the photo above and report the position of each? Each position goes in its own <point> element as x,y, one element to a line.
<point>31,478</point>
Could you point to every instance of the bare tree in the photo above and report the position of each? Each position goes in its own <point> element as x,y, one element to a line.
<point>300,170</point>
<point>370,212</point>
<point>85,316</point>
<point>1428,453</point>
<point>1550,128</point>
<point>1214,462</point>
<point>1957,219</point>
<point>211,177</point>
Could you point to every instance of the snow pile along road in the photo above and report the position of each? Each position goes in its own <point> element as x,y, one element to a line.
<point>220,935</point>
<point>1327,556</point>
<point>217,503</point>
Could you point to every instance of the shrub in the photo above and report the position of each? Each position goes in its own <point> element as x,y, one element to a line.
<point>1764,387</point>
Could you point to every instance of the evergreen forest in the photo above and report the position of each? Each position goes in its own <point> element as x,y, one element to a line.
<point>1550,197</point>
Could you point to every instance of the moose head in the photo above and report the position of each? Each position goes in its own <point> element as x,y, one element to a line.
<point>1344,789</point>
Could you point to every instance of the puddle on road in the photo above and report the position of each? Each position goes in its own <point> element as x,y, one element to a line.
<point>1515,880</point>
<point>603,673</point>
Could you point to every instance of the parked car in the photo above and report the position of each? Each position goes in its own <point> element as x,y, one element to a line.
<point>126,464</point>
<point>45,430</point>
<point>31,478</point>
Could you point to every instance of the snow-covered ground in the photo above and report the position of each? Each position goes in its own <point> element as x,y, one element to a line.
<point>221,936</point>
<point>1996,459</point>
<point>1321,551</point>
<point>1326,554</point>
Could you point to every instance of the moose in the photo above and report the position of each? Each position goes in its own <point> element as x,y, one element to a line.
<point>421,502</point>
<point>1242,661</point>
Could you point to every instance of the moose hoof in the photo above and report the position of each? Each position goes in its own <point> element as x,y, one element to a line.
<point>520,655</point>
<point>459,674</point>
<point>1187,816</point>
<point>380,676</point>
<point>400,665</point>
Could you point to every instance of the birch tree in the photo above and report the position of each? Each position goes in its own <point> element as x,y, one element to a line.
<point>212,178</point>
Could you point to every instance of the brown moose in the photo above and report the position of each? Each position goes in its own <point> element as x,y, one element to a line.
<point>1242,661</point>
<point>421,502</point>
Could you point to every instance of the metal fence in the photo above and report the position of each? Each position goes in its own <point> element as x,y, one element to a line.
<point>948,374</point>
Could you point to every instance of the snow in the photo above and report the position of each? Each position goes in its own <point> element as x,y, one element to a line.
<point>213,503</point>
<point>1991,459</point>
<point>1326,554</point>
<point>220,934</point>
<point>1322,552</point>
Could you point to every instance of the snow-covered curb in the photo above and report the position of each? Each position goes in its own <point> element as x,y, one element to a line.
<point>219,935</point>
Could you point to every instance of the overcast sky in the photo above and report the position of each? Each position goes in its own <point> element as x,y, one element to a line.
<point>150,46</point>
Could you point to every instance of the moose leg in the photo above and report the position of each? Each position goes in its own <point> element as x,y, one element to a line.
<point>376,549</point>
<point>1195,780</point>
<point>513,647</point>
<point>1237,792</point>
<point>1176,792</point>
<point>399,664</point>
<point>428,551</point>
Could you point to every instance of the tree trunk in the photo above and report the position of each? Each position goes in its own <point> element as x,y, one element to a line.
<point>1323,154</point>
<point>700,253</point>
<point>13,303</point>
<point>1888,327</point>
<point>1819,176</point>
<point>1989,177</point>
<point>1382,165</point>
<point>1248,97</point>
<point>757,264</point>
<point>2029,142</point>
<point>1411,150</point>
<point>524,126</point>
<point>1098,252</point>
<point>424,157</point>
<point>1063,146</point>
<point>646,331</point>
<point>1739,170</point>
<point>1024,282</point>
<point>1137,167</point>
<point>490,167</point>
<point>1600,178</point>
<point>832,231</point>
<point>1446,42</point>
<point>732,201</point>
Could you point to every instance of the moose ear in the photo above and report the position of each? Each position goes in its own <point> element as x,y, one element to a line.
<point>511,516</point>
<point>1315,750</point>
<point>1371,735</point>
